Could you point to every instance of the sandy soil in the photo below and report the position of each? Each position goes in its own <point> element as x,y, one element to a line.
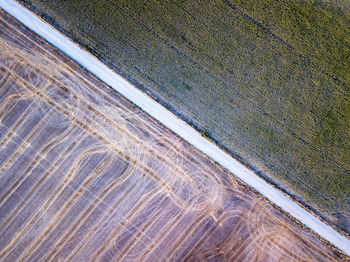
<point>86,176</point>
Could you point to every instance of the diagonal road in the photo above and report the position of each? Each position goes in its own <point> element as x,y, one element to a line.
<point>175,124</point>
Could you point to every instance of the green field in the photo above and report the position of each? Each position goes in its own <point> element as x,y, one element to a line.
<point>267,80</point>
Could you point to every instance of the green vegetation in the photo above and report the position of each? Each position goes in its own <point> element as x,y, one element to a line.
<point>268,80</point>
<point>206,134</point>
<point>317,30</point>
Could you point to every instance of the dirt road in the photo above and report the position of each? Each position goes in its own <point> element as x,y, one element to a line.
<point>87,176</point>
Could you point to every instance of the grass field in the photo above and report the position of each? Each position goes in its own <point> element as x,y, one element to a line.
<point>87,176</point>
<point>267,80</point>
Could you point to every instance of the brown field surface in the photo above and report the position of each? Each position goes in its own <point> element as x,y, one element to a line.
<point>87,176</point>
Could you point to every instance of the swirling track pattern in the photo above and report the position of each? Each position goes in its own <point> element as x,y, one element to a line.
<point>86,176</point>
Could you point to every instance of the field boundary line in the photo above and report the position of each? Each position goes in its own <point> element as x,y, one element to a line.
<point>175,124</point>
